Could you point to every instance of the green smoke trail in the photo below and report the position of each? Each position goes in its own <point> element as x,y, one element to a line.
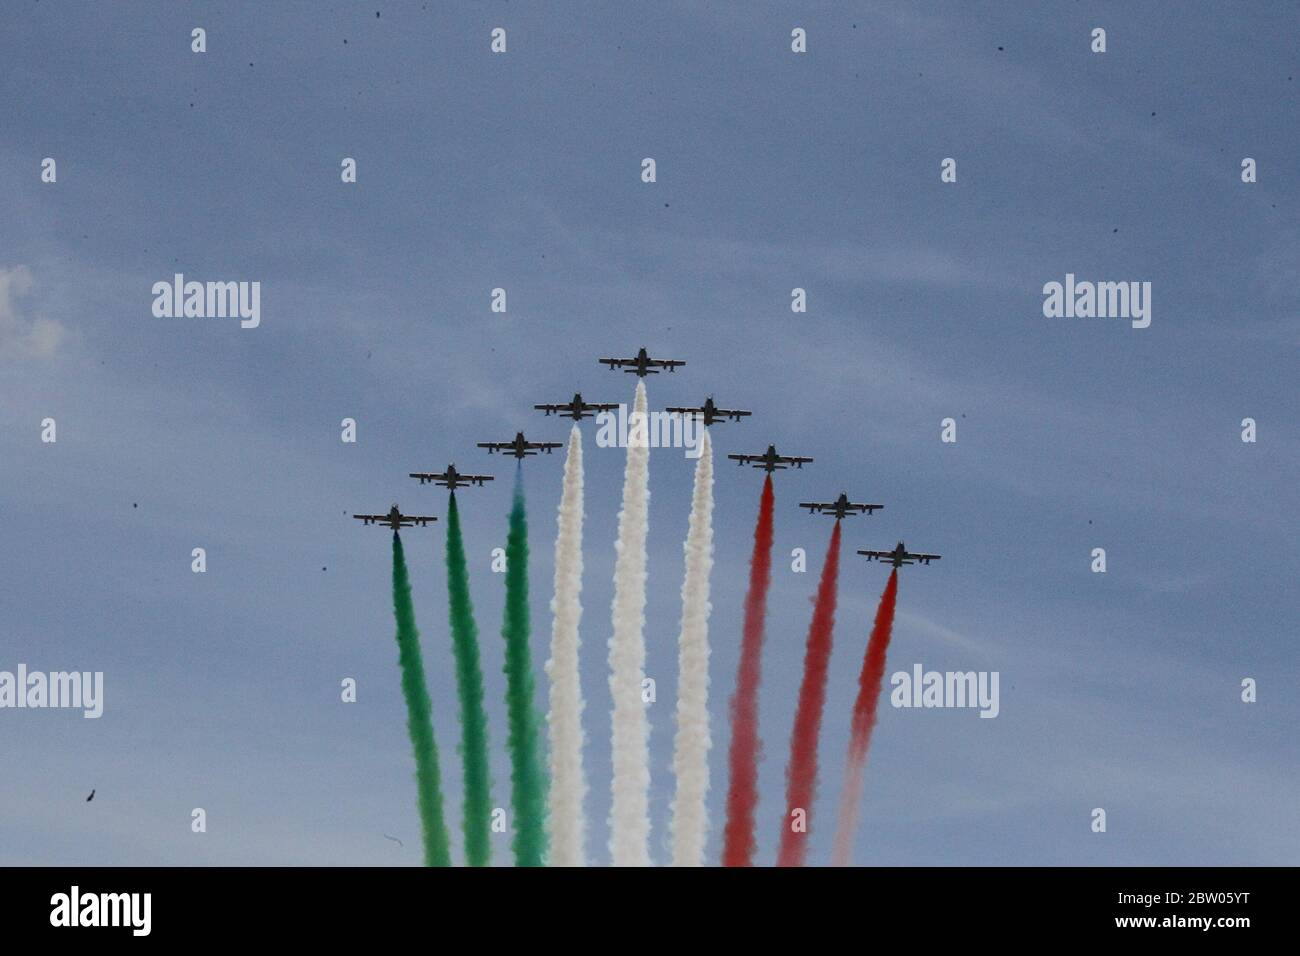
<point>477,823</point>
<point>527,782</point>
<point>419,716</point>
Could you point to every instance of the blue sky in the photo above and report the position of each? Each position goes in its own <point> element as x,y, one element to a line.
<point>775,171</point>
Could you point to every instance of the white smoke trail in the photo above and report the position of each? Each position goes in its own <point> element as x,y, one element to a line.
<point>629,842</point>
<point>565,819</point>
<point>691,754</point>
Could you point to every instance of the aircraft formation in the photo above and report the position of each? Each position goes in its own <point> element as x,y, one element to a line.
<point>395,519</point>
<point>710,413</point>
<point>900,556</point>
<point>577,409</point>
<point>520,447</point>
<point>770,461</point>
<point>451,478</point>
<point>841,507</point>
<point>641,365</point>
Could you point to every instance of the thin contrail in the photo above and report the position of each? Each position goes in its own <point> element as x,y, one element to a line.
<point>629,842</point>
<point>566,822</point>
<point>691,753</point>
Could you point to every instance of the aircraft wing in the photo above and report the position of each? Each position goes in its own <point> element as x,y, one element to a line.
<point>876,555</point>
<point>732,413</point>
<point>547,445</point>
<point>669,364</point>
<point>816,505</point>
<point>369,518</point>
<point>865,509</point>
<point>421,520</point>
<point>796,460</point>
<point>550,409</point>
<point>495,445</point>
<point>925,558</point>
<point>600,406</point>
<point>615,362</point>
<point>677,410</point>
<point>426,477</point>
<point>745,459</point>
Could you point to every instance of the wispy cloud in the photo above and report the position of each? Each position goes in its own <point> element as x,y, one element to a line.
<point>938,632</point>
<point>23,334</point>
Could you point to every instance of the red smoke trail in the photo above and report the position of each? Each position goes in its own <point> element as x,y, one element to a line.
<point>864,721</point>
<point>801,775</point>
<point>738,841</point>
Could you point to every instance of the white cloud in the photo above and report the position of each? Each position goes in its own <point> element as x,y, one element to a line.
<point>23,335</point>
<point>938,632</point>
